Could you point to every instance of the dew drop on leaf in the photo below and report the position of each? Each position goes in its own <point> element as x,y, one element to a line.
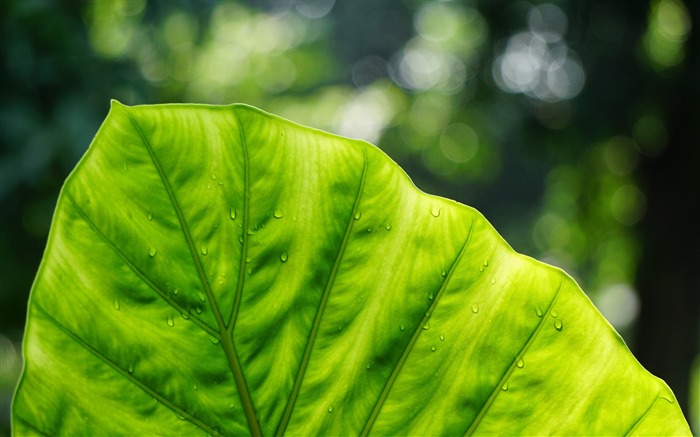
<point>130,368</point>
<point>201,296</point>
<point>198,309</point>
<point>195,387</point>
<point>505,386</point>
<point>475,308</point>
<point>213,340</point>
<point>179,416</point>
<point>248,259</point>
<point>442,337</point>
<point>284,257</point>
<point>493,281</point>
<point>486,263</point>
<point>232,214</point>
<point>369,230</point>
<point>358,214</point>
<point>240,239</point>
<point>205,251</point>
<point>152,251</point>
<point>520,363</point>
<point>368,366</point>
<point>402,327</point>
<point>481,268</point>
<point>387,226</point>
<point>430,295</point>
<point>278,214</point>
<point>554,314</point>
<point>433,348</point>
<point>115,304</point>
<point>426,326</point>
<point>169,320</point>
<point>185,316</point>
<point>443,273</point>
<point>230,405</point>
<point>150,216</point>
<point>330,408</point>
<point>538,312</point>
<point>176,291</point>
<point>435,211</point>
<point>558,325</point>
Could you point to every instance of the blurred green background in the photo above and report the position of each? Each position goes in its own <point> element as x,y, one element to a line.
<point>572,125</point>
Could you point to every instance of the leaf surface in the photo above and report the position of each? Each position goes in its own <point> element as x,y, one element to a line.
<point>218,270</point>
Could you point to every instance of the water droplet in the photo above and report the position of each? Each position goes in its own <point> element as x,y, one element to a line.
<point>248,259</point>
<point>284,257</point>
<point>150,216</point>
<point>130,369</point>
<point>201,296</point>
<point>240,239</point>
<point>233,214</point>
<point>368,366</point>
<point>115,304</point>
<point>402,327</point>
<point>278,214</point>
<point>505,386</point>
<point>205,251</point>
<point>369,230</point>
<point>520,363</point>
<point>194,386</point>
<point>486,263</point>
<point>554,314</point>
<point>184,316</point>
<point>435,211</point>
<point>179,416</point>
<point>169,320</point>
<point>230,405</point>
<point>493,281</point>
<point>475,308</point>
<point>426,325</point>
<point>358,214</point>
<point>481,268</point>
<point>330,408</point>
<point>443,273</point>
<point>213,176</point>
<point>558,325</point>
<point>198,309</point>
<point>251,231</point>
<point>538,312</point>
<point>176,291</point>
<point>430,295</point>
<point>152,251</point>
<point>442,337</point>
<point>209,186</point>
<point>433,348</point>
<point>155,401</point>
<point>387,226</point>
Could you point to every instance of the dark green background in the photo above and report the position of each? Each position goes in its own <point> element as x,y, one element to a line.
<point>594,170</point>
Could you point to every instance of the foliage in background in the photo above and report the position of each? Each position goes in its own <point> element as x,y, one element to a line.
<point>567,123</point>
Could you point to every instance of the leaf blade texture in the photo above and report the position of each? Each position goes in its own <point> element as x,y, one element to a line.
<point>219,270</point>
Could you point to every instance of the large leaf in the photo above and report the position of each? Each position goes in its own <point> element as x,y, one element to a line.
<point>220,270</point>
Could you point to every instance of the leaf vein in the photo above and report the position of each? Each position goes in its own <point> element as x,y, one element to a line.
<point>416,334</point>
<point>162,399</point>
<point>226,340</point>
<point>202,324</point>
<point>497,390</point>
<point>646,413</point>
<point>28,425</point>
<point>322,306</point>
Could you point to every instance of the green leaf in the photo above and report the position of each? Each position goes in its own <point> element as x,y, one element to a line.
<point>218,270</point>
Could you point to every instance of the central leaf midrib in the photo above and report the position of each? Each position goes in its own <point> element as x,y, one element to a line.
<point>226,340</point>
